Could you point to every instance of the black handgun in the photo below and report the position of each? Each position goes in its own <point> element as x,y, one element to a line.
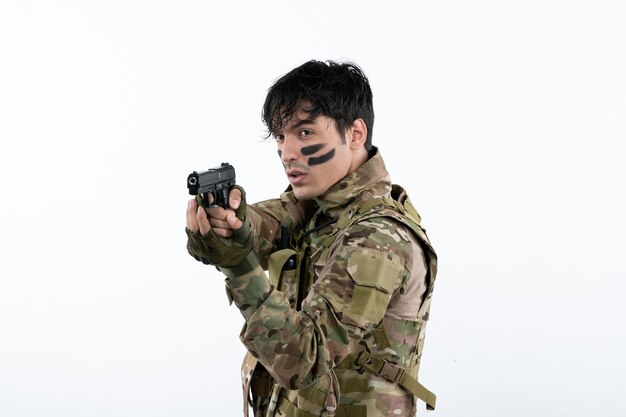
<point>214,181</point>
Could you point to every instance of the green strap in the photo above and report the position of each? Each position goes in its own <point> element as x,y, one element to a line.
<point>381,338</point>
<point>351,411</point>
<point>347,362</point>
<point>398,375</point>
<point>390,372</point>
<point>353,385</point>
<point>290,410</point>
<point>313,395</point>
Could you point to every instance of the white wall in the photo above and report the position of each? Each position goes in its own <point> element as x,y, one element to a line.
<point>504,120</point>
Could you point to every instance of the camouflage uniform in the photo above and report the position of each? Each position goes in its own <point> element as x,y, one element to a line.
<point>335,335</point>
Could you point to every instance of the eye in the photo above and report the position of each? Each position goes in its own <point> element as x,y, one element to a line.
<point>306,132</point>
<point>279,137</point>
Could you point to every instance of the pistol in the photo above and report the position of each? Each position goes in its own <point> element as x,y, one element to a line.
<point>214,181</point>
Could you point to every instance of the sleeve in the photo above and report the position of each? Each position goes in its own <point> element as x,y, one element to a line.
<point>350,295</point>
<point>267,216</point>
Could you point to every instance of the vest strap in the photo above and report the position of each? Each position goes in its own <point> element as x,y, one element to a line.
<point>381,337</point>
<point>396,374</point>
<point>291,410</point>
<point>353,385</point>
<point>351,411</point>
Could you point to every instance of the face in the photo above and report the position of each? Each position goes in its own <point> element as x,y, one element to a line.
<point>315,155</point>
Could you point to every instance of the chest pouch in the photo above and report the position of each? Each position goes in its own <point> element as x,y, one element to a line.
<point>283,273</point>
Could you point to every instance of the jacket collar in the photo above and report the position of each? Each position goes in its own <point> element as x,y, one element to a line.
<point>368,181</point>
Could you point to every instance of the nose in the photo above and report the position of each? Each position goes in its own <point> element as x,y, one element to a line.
<point>289,149</point>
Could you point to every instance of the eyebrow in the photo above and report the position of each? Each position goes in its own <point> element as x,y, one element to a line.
<point>295,125</point>
<point>299,123</point>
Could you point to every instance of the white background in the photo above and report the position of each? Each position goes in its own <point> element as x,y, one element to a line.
<point>505,120</point>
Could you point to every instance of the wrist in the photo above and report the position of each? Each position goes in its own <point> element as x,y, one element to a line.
<point>249,263</point>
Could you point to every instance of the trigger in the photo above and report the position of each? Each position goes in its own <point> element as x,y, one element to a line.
<point>205,199</point>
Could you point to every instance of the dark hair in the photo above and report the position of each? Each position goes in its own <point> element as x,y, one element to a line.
<point>340,91</point>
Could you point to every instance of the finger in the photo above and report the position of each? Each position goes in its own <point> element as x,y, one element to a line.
<point>222,232</point>
<point>203,221</point>
<point>216,212</point>
<point>234,198</point>
<point>205,199</point>
<point>217,216</point>
<point>234,222</point>
<point>218,223</point>
<point>192,222</point>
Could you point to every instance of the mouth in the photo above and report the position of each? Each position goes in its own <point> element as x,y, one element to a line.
<point>295,176</point>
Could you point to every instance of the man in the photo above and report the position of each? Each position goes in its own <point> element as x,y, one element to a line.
<point>337,328</point>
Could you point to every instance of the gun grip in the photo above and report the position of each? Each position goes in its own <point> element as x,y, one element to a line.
<point>221,198</point>
<point>206,201</point>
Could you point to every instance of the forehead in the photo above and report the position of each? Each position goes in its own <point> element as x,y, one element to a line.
<point>303,118</point>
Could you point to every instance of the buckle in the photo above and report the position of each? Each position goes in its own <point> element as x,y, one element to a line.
<point>362,358</point>
<point>390,372</point>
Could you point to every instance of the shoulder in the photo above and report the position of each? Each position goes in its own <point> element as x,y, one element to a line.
<point>384,232</point>
<point>377,251</point>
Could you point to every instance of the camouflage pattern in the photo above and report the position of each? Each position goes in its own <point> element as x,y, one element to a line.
<point>366,289</point>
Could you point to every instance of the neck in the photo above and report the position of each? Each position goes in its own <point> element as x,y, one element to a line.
<point>359,158</point>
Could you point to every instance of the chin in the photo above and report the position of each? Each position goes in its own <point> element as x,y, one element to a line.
<point>302,195</point>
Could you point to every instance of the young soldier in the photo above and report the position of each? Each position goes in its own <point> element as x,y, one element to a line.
<point>337,326</point>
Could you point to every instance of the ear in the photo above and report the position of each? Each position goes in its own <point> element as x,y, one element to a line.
<point>357,133</point>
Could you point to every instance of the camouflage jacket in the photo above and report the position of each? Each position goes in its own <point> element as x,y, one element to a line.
<point>331,336</point>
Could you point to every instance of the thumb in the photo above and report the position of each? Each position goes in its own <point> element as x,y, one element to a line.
<point>234,198</point>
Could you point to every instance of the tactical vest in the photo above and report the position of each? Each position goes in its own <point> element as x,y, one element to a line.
<point>268,399</point>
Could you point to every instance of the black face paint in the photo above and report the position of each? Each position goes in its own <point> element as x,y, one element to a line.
<point>311,149</point>
<point>321,159</point>
<point>280,153</point>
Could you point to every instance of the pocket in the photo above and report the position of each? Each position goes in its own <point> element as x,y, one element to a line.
<point>376,275</point>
